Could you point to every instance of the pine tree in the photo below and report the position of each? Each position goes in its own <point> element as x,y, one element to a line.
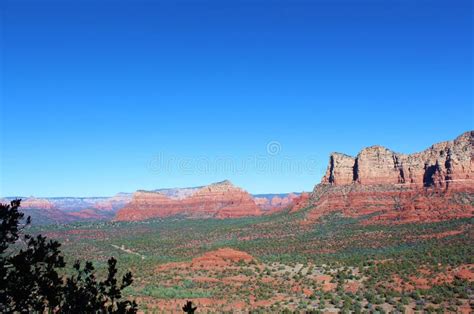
<point>30,281</point>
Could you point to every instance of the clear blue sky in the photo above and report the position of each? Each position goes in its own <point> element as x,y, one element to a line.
<point>93,92</point>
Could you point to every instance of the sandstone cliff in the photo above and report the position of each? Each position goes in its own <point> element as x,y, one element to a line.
<point>218,200</point>
<point>442,165</point>
<point>432,185</point>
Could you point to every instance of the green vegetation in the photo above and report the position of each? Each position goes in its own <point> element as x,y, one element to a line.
<point>174,292</point>
<point>392,265</point>
<point>31,281</point>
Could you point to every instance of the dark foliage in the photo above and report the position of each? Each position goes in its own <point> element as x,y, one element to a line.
<point>189,308</point>
<point>30,281</point>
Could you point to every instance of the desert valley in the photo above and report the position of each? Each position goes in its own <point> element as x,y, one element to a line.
<point>382,232</point>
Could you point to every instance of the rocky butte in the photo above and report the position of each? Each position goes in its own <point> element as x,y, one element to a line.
<point>218,200</point>
<point>432,185</point>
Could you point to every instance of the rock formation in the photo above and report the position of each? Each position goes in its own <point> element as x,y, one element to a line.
<point>340,170</point>
<point>218,200</point>
<point>444,164</point>
<point>433,185</point>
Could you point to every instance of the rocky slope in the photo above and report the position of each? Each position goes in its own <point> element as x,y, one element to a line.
<point>435,184</point>
<point>218,200</point>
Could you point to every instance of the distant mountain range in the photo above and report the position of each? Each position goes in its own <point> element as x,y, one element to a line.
<point>432,185</point>
<point>72,209</point>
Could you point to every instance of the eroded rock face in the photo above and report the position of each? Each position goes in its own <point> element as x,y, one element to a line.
<point>442,165</point>
<point>340,170</point>
<point>378,165</point>
<point>433,185</point>
<point>219,200</point>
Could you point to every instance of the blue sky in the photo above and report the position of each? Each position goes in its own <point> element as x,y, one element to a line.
<point>97,94</point>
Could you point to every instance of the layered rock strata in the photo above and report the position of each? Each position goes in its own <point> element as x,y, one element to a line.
<point>218,200</point>
<point>442,165</point>
<point>433,185</point>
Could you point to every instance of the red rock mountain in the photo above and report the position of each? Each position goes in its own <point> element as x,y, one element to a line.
<point>218,200</point>
<point>435,184</point>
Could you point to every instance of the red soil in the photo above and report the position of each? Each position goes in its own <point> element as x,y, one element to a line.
<point>428,279</point>
<point>220,258</point>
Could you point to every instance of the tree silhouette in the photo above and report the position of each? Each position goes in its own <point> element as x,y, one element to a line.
<point>30,281</point>
<point>188,307</point>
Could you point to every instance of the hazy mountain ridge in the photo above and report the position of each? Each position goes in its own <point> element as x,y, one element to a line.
<point>70,209</point>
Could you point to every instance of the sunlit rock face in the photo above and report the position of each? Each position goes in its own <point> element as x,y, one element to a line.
<point>432,185</point>
<point>340,170</point>
<point>218,200</point>
<point>442,165</point>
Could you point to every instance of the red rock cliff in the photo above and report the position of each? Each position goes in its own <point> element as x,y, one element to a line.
<point>444,164</point>
<point>219,200</point>
<point>433,185</point>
